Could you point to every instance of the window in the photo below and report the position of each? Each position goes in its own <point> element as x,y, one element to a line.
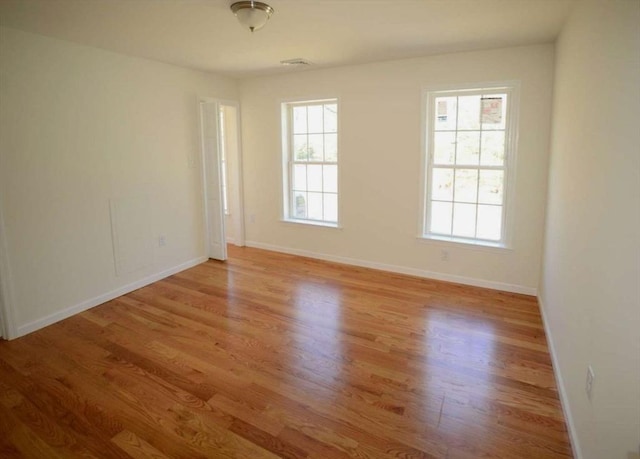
<point>469,152</point>
<point>310,161</point>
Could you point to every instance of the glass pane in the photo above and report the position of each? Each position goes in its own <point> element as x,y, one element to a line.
<point>331,207</point>
<point>316,144</point>
<point>300,147</point>
<point>314,178</point>
<point>445,114</point>
<point>441,217</point>
<point>469,112</point>
<point>494,111</point>
<point>331,147</point>
<point>330,179</point>
<point>464,220</point>
<point>300,177</point>
<point>466,185</point>
<point>468,148</point>
<point>442,184</point>
<point>299,120</point>
<point>444,147</point>
<point>314,114</point>
<point>492,148</point>
<point>331,118</point>
<point>299,205</point>
<point>489,222</point>
<point>315,206</point>
<point>491,187</point>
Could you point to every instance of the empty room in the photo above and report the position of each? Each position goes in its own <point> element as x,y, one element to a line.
<point>320,229</point>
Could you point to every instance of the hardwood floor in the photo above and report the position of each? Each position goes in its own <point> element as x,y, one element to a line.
<point>271,355</point>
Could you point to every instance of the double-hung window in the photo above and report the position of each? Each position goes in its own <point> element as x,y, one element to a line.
<point>470,152</point>
<point>310,161</point>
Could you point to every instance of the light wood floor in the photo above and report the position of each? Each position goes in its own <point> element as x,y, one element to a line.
<point>271,355</point>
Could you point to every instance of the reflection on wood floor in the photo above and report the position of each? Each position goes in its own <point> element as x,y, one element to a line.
<point>272,355</point>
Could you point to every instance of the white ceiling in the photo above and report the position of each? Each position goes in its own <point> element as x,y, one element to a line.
<point>204,34</point>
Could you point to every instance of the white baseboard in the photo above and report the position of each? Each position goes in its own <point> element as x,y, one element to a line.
<point>90,303</point>
<point>398,269</point>
<point>564,399</point>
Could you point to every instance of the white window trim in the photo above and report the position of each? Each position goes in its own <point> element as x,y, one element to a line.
<point>286,123</point>
<point>508,217</point>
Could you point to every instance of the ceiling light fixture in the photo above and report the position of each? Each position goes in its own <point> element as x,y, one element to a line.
<point>253,15</point>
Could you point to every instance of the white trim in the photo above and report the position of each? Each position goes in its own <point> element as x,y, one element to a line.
<point>92,302</point>
<point>286,127</point>
<point>512,88</point>
<point>564,398</point>
<point>6,287</point>
<point>398,269</point>
<point>239,218</point>
<point>311,223</point>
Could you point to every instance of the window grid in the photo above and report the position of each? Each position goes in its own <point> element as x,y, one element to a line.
<point>311,201</point>
<point>454,166</point>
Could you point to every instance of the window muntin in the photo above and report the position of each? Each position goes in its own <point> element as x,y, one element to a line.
<point>311,157</point>
<point>469,149</point>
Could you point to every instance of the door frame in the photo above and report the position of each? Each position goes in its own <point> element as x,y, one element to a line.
<point>8,328</point>
<point>239,218</point>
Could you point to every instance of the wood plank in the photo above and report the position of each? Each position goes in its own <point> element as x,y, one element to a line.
<point>272,355</point>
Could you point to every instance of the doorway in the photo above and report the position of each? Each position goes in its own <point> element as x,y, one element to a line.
<point>222,176</point>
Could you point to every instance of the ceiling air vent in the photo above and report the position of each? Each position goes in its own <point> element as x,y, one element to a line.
<point>296,61</point>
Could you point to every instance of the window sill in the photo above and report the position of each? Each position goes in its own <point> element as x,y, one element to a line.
<point>311,223</point>
<point>465,243</point>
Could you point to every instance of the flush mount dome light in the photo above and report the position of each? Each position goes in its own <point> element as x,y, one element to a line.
<point>253,15</point>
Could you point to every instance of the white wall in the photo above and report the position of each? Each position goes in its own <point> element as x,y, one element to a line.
<point>380,157</point>
<point>80,127</point>
<point>591,277</point>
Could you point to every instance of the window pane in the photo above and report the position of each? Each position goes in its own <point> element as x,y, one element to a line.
<point>330,118</point>
<point>300,147</point>
<point>468,148</point>
<point>314,114</point>
<point>469,112</point>
<point>314,178</point>
<point>445,113</point>
<point>331,147</point>
<point>492,148</point>
<point>444,147</point>
<point>316,145</point>
<point>330,179</point>
<point>494,111</point>
<point>300,177</point>
<point>299,205</point>
<point>314,208</point>
<point>464,220</point>
<point>299,120</point>
<point>489,222</point>
<point>491,187</point>
<point>330,207</point>
<point>442,184</point>
<point>466,185</point>
<point>441,217</point>
<point>311,160</point>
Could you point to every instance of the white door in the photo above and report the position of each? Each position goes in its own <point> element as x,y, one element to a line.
<point>214,209</point>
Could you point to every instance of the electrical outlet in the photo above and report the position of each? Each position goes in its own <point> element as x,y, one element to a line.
<point>444,255</point>
<point>162,241</point>
<point>590,379</point>
<point>252,218</point>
